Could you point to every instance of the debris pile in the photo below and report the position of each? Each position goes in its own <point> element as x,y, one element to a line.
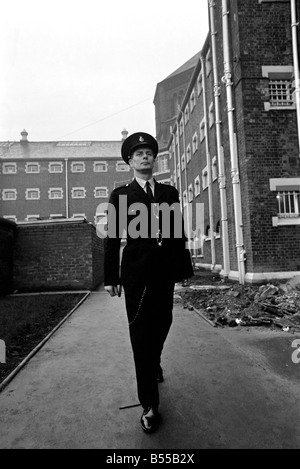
<point>269,305</point>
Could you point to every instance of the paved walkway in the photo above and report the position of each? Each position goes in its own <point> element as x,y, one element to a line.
<point>220,389</point>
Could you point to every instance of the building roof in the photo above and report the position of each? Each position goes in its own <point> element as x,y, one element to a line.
<point>61,150</point>
<point>191,63</point>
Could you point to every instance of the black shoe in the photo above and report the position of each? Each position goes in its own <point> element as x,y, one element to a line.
<point>150,420</point>
<point>160,376</point>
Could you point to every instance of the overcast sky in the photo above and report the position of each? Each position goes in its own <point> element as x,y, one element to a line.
<point>87,69</point>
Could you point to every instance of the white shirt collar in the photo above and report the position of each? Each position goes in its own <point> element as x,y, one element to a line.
<point>142,182</point>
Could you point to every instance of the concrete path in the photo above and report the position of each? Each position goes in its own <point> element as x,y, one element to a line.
<point>223,388</point>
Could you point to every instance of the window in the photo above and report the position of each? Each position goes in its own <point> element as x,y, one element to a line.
<point>78,193</point>
<point>181,127</point>
<point>281,93</point>
<point>288,204</point>
<point>121,167</point>
<point>32,168</point>
<point>211,115</point>
<point>205,178</point>
<point>9,194</point>
<point>188,153</point>
<point>214,168</point>
<point>202,130</point>
<point>195,142</point>
<point>208,62</point>
<point>9,168</point>
<point>197,244</point>
<point>207,233</point>
<point>191,193</point>
<point>163,164</point>
<point>287,192</point>
<point>280,87</point>
<point>200,83</point>
<point>32,218</point>
<point>192,101</point>
<point>197,186</point>
<point>32,194</point>
<point>78,167</point>
<point>183,166</point>
<point>55,193</point>
<point>186,115</point>
<point>100,166</point>
<point>55,167</point>
<point>100,192</point>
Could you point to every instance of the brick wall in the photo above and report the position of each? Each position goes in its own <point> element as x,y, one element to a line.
<point>7,236</point>
<point>57,256</point>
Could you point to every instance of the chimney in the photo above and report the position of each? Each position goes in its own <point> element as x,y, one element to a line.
<point>124,134</point>
<point>24,135</point>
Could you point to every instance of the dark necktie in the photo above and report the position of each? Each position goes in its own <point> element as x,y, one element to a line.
<point>149,191</point>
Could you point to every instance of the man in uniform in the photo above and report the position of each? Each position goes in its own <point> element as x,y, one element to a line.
<point>151,264</point>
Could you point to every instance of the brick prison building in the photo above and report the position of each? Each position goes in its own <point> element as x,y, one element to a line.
<point>233,145</point>
<point>59,180</point>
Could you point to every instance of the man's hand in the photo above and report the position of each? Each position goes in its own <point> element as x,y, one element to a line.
<point>113,290</point>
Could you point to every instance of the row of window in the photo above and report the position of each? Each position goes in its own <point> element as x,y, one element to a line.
<point>52,216</point>
<point>58,167</point>
<point>55,193</point>
<point>280,96</point>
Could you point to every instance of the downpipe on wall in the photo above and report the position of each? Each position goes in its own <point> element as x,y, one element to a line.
<point>233,147</point>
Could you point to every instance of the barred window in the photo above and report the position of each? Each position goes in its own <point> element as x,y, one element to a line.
<point>163,164</point>
<point>100,192</point>
<point>288,204</point>
<point>100,166</point>
<point>78,193</point>
<point>9,168</point>
<point>32,194</point>
<point>9,194</point>
<point>281,93</point>
<point>55,167</point>
<point>55,193</point>
<point>78,167</point>
<point>32,168</point>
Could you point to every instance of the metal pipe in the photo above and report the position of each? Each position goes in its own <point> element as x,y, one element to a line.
<point>186,179</point>
<point>296,65</point>
<point>233,147</point>
<point>208,162</point>
<point>220,153</point>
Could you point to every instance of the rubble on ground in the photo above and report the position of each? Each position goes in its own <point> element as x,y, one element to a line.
<point>275,305</point>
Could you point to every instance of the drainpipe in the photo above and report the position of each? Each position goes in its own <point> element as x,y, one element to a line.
<point>67,188</point>
<point>296,65</point>
<point>233,147</point>
<point>179,163</point>
<point>208,163</point>
<point>220,153</point>
<point>175,163</point>
<point>186,179</point>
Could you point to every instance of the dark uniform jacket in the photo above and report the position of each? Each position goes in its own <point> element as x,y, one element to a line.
<point>146,257</point>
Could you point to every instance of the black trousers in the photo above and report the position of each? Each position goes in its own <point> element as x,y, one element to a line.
<point>149,312</point>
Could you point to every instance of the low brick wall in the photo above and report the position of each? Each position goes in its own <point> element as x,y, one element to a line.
<point>7,237</point>
<point>64,255</point>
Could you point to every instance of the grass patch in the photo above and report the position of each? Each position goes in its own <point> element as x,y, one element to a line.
<point>26,320</point>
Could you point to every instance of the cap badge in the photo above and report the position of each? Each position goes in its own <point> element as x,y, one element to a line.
<point>141,139</point>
